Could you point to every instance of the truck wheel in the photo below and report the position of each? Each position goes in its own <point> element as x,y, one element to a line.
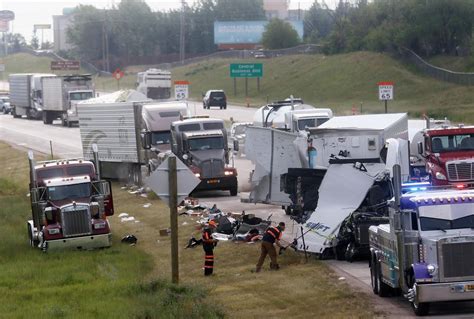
<point>340,251</point>
<point>373,276</point>
<point>63,122</point>
<point>419,308</point>
<point>47,118</point>
<point>16,116</point>
<point>233,191</point>
<point>382,288</point>
<point>350,252</point>
<point>33,243</point>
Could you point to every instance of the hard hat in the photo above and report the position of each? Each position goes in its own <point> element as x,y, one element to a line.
<point>212,223</point>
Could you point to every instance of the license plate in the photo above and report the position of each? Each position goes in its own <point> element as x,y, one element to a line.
<point>469,288</point>
<point>213,181</point>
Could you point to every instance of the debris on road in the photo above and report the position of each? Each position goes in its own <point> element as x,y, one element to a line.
<point>130,239</point>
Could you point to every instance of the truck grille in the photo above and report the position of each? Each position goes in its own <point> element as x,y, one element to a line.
<point>458,259</point>
<point>76,222</point>
<point>460,171</point>
<point>212,168</point>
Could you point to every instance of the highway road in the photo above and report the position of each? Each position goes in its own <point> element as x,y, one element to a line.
<point>65,142</point>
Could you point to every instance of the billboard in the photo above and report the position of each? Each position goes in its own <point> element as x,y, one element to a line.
<point>235,32</point>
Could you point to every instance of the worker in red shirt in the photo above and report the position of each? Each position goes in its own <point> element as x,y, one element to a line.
<point>208,243</point>
<point>272,236</point>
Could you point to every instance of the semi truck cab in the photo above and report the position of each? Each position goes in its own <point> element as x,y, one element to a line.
<point>447,153</point>
<point>69,204</point>
<point>427,249</point>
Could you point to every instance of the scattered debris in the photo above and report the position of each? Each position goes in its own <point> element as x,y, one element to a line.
<point>127,219</point>
<point>165,232</point>
<point>130,239</point>
<point>341,278</point>
<point>146,205</point>
<point>123,215</point>
<point>184,223</point>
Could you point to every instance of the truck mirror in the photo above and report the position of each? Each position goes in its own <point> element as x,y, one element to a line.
<point>420,148</point>
<point>236,145</point>
<point>146,139</point>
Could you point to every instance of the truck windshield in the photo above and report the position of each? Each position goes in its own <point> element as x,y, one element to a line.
<point>79,96</point>
<point>207,143</point>
<point>452,143</point>
<point>158,138</point>
<point>69,191</point>
<point>428,223</point>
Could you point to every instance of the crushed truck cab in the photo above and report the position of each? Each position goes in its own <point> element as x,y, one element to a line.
<point>427,249</point>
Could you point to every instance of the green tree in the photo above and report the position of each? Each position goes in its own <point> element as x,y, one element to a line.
<point>318,23</point>
<point>279,34</point>
<point>86,33</point>
<point>34,43</point>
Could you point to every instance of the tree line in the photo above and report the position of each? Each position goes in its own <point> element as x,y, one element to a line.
<point>131,29</point>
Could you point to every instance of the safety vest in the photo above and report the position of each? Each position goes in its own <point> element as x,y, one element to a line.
<point>272,234</point>
<point>207,236</point>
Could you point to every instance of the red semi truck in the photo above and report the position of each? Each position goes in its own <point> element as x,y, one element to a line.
<point>447,153</point>
<point>69,205</point>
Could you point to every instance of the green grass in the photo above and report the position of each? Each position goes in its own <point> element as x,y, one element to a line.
<point>454,63</point>
<point>340,82</point>
<point>105,283</point>
<point>133,281</point>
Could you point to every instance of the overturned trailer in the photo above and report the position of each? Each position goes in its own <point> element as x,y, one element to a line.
<point>348,189</point>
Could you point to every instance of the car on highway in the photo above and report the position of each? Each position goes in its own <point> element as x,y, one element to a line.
<point>5,104</point>
<point>237,135</point>
<point>259,55</point>
<point>214,98</point>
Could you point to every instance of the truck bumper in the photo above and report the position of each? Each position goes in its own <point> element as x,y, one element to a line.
<point>217,183</point>
<point>452,291</point>
<point>84,242</point>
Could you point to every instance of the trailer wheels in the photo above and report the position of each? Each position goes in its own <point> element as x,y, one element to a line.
<point>233,191</point>
<point>47,118</point>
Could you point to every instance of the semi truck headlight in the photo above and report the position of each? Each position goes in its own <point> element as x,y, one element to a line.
<point>431,269</point>
<point>197,175</point>
<point>440,176</point>
<point>227,173</point>
<point>53,231</point>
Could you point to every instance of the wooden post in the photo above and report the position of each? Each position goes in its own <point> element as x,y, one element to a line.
<point>386,111</point>
<point>51,148</point>
<point>246,87</point>
<point>235,86</point>
<point>173,191</point>
<point>258,85</point>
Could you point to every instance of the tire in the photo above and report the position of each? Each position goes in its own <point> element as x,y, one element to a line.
<point>47,118</point>
<point>16,116</point>
<point>221,107</point>
<point>420,309</point>
<point>373,276</point>
<point>4,110</point>
<point>233,191</point>
<point>33,243</point>
<point>350,252</point>
<point>340,251</point>
<point>64,122</point>
<point>382,288</point>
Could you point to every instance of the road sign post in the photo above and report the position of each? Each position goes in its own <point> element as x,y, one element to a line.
<point>181,90</point>
<point>172,181</point>
<point>246,70</point>
<point>385,92</point>
<point>118,74</point>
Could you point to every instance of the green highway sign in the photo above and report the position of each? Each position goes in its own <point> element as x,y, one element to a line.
<point>246,70</point>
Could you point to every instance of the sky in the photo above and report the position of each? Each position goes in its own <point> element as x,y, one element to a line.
<point>30,12</point>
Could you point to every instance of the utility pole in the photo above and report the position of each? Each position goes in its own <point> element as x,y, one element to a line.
<point>181,33</point>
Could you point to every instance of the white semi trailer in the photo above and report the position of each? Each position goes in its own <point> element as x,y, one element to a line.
<point>61,95</point>
<point>155,84</point>
<point>131,131</point>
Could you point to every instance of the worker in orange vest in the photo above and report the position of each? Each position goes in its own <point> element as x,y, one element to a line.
<point>208,243</point>
<point>272,236</point>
